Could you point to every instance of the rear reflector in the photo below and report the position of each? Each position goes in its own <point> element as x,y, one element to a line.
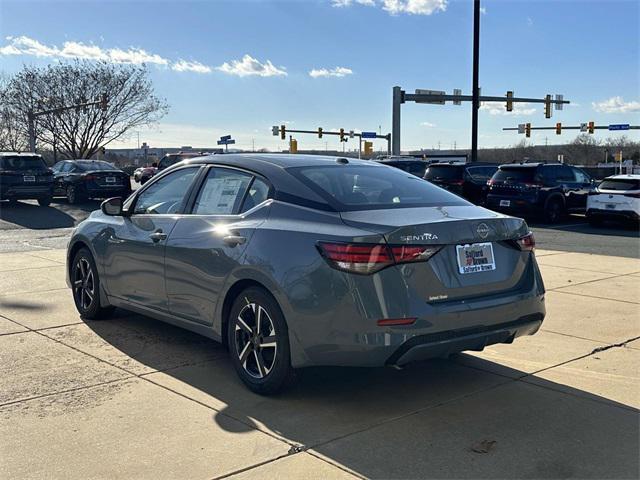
<point>527,243</point>
<point>366,258</point>
<point>385,322</point>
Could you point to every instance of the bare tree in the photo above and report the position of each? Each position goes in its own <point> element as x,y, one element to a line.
<point>11,135</point>
<point>80,132</point>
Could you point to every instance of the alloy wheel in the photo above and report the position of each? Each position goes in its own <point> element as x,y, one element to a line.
<point>71,194</point>
<point>255,340</point>
<point>84,285</point>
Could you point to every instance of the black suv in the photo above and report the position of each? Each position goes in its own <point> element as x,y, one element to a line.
<point>547,190</point>
<point>469,180</point>
<point>171,159</point>
<point>25,176</point>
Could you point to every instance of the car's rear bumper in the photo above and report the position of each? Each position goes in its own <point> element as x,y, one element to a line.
<point>517,205</point>
<point>613,214</point>
<point>25,191</point>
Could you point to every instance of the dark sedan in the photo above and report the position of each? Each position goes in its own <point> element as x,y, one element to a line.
<point>80,180</point>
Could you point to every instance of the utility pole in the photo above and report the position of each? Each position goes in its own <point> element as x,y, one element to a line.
<point>395,120</point>
<point>475,103</point>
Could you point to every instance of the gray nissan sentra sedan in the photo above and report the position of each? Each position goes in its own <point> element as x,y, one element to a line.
<point>295,260</point>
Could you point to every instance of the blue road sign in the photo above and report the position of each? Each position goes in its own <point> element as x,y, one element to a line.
<point>226,137</point>
<point>619,126</point>
<point>368,134</point>
<point>226,142</point>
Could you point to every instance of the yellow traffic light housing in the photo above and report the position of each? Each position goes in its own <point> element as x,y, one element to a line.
<point>547,106</point>
<point>558,128</point>
<point>342,134</point>
<point>368,148</point>
<point>509,101</point>
<point>293,146</point>
<point>283,132</point>
<point>591,127</point>
<point>527,130</point>
<point>319,132</point>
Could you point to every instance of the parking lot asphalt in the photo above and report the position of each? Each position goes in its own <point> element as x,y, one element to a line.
<point>131,397</point>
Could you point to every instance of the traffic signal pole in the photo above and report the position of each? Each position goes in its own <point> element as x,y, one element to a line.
<point>475,103</point>
<point>279,131</point>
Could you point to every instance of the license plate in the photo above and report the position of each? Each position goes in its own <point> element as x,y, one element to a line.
<point>610,206</point>
<point>477,257</point>
<point>29,178</point>
<point>505,203</point>
<point>111,179</point>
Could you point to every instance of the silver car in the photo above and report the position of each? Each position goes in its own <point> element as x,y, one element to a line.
<point>295,260</point>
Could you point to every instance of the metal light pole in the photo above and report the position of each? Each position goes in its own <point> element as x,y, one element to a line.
<point>475,104</point>
<point>395,121</point>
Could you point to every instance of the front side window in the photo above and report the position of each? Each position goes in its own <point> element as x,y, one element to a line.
<point>360,187</point>
<point>222,192</point>
<point>166,195</point>
<point>581,177</point>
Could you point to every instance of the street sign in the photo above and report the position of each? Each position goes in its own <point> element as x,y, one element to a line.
<point>619,126</point>
<point>583,127</point>
<point>368,134</point>
<point>521,127</point>
<point>430,92</point>
<point>226,142</point>
<point>560,158</point>
<point>275,130</point>
<point>559,98</point>
<point>351,133</point>
<point>226,137</point>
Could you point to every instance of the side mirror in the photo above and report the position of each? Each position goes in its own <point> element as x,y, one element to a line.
<point>112,206</point>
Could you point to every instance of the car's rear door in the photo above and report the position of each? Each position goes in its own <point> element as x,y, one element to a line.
<point>135,247</point>
<point>208,242</point>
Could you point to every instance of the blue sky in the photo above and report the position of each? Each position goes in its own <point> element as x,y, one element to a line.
<point>239,67</point>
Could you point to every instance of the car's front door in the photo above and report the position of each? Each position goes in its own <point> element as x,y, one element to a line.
<point>134,252</point>
<point>582,185</point>
<point>207,244</point>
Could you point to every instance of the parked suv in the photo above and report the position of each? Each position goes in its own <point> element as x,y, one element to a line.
<point>469,180</point>
<point>173,158</point>
<point>411,165</point>
<point>616,198</point>
<point>547,190</point>
<point>25,176</point>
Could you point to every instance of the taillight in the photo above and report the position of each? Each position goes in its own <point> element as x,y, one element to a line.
<point>89,178</point>
<point>456,182</point>
<point>490,182</point>
<point>366,258</point>
<point>527,243</point>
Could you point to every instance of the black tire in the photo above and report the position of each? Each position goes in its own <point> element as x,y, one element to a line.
<point>13,201</point>
<point>72,195</point>
<point>553,211</point>
<point>85,287</point>
<point>44,201</point>
<point>263,362</point>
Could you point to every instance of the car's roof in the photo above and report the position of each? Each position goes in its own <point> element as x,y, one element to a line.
<point>250,160</point>
<point>626,176</point>
<point>401,160</point>
<point>527,165</point>
<point>19,154</point>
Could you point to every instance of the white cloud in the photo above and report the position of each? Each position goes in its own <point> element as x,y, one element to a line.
<point>530,21</point>
<point>483,10</point>
<point>395,7</point>
<point>333,72</point>
<point>616,105</point>
<point>184,66</point>
<point>250,66</point>
<point>498,108</point>
<point>427,124</point>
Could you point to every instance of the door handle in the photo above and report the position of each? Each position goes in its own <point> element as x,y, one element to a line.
<point>233,240</point>
<point>157,236</point>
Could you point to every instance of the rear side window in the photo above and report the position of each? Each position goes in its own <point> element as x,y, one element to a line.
<point>360,187</point>
<point>22,163</point>
<point>222,192</point>
<point>515,174</point>
<point>621,184</point>
<point>444,172</point>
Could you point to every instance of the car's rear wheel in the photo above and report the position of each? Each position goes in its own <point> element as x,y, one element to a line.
<point>554,211</point>
<point>44,201</point>
<point>258,340</point>
<point>72,194</point>
<point>85,284</point>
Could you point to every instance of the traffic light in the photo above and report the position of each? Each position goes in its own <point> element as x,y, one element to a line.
<point>527,130</point>
<point>368,148</point>
<point>283,132</point>
<point>558,128</point>
<point>591,127</point>
<point>293,146</point>
<point>342,134</point>
<point>509,101</point>
<point>547,106</point>
<point>104,102</point>
<point>319,132</point>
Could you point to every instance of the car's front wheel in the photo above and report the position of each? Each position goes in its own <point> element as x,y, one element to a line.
<point>85,284</point>
<point>554,211</point>
<point>258,341</point>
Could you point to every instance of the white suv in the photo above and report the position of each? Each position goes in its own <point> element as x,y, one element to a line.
<point>616,198</point>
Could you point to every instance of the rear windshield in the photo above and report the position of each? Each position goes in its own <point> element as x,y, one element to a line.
<point>361,187</point>
<point>514,174</point>
<point>481,173</point>
<point>92,166</point>
<point>21,163</point>
<point>620,184</point>
<point>444,172</point>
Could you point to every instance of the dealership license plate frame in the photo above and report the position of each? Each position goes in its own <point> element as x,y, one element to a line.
<point>28,178</point>
<point>505,203</point>
<point>110,179</point>
<point>485,250</point>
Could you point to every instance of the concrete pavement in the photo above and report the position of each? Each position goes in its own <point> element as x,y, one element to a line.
<point>133,398</point>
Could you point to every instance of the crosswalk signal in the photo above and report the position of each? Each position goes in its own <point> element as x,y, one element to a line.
<point>509,101</point>
<point>368,148</point>
<point>591,126</point>
<point>319,132</point>
<point>283,132</point>
<point>558,128</point>
<point>342,134</point>
<point>547,106</point>
<point>527,130</point>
